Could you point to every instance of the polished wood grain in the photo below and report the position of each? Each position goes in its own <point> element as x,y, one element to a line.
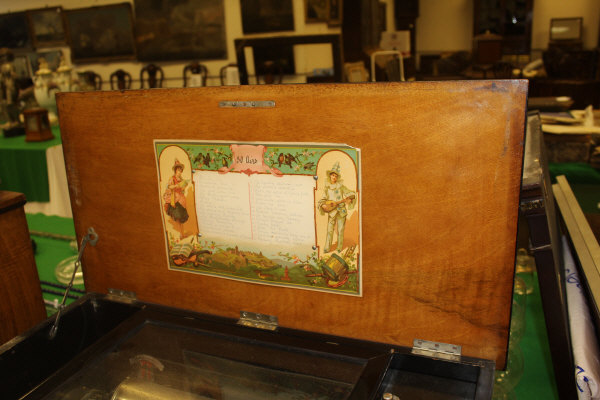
<point>441,167</point>
<point>22,306</point>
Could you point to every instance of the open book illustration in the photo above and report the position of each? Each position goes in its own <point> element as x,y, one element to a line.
<point>285,214</point>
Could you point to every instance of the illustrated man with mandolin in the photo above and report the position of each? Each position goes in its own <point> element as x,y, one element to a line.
<point>336,200</point>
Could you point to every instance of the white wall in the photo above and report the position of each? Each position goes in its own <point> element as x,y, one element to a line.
<point>447,25</point>
<point>307,57</point>
<point>444,25</point>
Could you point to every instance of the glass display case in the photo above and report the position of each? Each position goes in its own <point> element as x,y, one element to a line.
<point>109,349</point>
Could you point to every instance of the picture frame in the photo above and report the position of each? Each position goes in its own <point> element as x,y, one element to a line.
<point>101,33</point>
<point>329,11</point>
<point>47,26</point>
<point>180,30</point>
<point>22,66</point>
<point>53,58</point>
<point>316,10</point>
<point>14,31</point>
<point>261,16</point>
<point>335,13</point>
<point>566,29</point>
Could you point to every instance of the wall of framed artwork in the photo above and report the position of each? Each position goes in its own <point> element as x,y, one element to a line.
<point>441,26</point>
<point>306,57</point>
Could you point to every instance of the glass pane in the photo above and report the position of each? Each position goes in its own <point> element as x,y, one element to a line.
<point>32,123</point>
<point>159,362</point>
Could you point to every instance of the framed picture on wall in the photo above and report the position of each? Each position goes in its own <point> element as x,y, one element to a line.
<point>335,12</point>
<point>14,31</point>
<point>180,30</point>
<point>260,16</point>
<point>329,11</point>
<point>22,66</point>
<point>101,33</point>
<point>47,26</point>
<point>52,57</point>
<point>317,10</point>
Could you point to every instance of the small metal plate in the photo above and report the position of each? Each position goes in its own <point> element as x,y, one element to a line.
<point>247,104</point>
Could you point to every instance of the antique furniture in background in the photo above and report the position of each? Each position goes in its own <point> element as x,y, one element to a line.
<point>89,80</point>
<point>508,18</point>
<point>155,76</point>
<point>196,73</point>
<point>229,74</point>
<point>120,79</point>
<point>487,51</point>
<point>22,306</point>
<point>37,125</point>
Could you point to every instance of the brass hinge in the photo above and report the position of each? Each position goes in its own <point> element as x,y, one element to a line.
<point>437,350</point>
<point>121,296</point>
<point>260,321</point>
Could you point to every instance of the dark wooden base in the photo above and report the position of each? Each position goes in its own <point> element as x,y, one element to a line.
<point>39,136</point>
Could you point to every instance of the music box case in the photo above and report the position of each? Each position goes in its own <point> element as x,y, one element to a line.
<point>335,241</point>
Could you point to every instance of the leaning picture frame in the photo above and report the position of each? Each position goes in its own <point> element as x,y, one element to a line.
<point>101,33</point>
<point>47,26</point>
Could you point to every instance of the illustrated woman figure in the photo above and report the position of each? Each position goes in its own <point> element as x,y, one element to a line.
<point>174,198</point>
<point>336,200</point>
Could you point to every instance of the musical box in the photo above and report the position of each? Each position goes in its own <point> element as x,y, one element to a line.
<point>335,241</point>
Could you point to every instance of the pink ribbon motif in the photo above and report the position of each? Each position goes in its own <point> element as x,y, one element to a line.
<point>249,159</point>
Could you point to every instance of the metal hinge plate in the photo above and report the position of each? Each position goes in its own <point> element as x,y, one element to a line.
<point>260,321</point>
<point>122,296</point>
<point>437,350</point>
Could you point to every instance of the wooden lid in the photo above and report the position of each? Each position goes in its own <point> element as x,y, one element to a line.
<point>11,200</point>
<point>441,167</point>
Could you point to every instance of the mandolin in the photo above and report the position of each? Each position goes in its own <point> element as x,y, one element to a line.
<point>330,205</point>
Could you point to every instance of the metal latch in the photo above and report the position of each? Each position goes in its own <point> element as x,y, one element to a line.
<point>260,321</point>
<point>437,350</point>
<point>534,204</point>
<point>122,296</point>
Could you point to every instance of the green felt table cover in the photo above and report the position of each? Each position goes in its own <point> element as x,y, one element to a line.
<point>538,380</point>
<point>576,173</point>
<point>23,166</point>
<point>49,252</point>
